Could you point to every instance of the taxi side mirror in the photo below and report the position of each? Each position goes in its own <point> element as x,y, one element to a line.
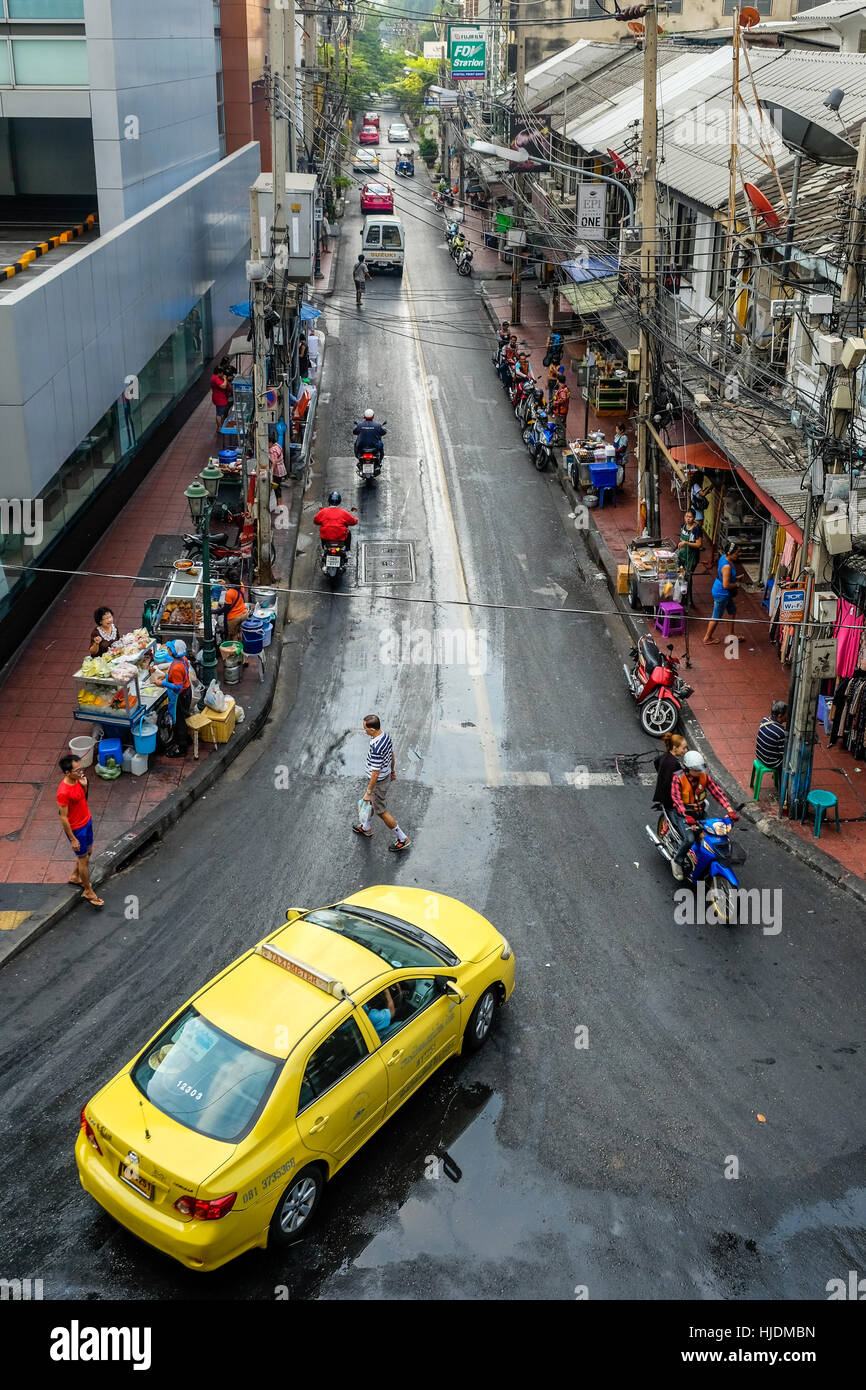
<point>293,913</point>
<point>451,988</point>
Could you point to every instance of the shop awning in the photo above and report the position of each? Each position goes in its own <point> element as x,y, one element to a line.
<point>589,298</point>
<point>700,455</point>
<point>592,268</point>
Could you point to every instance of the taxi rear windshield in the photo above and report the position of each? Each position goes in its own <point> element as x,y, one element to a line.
<point>205,1079</point>
<point>387,945</point>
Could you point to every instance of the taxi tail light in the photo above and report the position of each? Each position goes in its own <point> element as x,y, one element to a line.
<point>205,1211</point>
<point>88,1132</point>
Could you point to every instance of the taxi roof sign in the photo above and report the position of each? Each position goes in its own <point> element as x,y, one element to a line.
<point>328,983</point>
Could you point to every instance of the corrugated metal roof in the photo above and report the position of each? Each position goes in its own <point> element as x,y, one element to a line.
<point>675,81</point>
<point>608,82</point>
<point>836,9</point>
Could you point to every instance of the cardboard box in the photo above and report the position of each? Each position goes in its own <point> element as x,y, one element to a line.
<point>622,579</point>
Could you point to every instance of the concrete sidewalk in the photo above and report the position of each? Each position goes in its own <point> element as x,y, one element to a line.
<point>730,696</point>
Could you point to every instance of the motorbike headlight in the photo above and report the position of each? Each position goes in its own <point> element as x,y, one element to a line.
<point>506,953</point>
<point>721,827</point>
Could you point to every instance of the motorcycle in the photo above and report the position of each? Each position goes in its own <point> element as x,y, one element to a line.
<point>709,860</point>
<point>530,401</point>
<point>368,459</point>
<point>451,231</point>
<point>405,168</point>
<point>457,247</point>
<point>656,687</point>
<point>334,560</point>
<point>539,436</point>
<point>464,262</point>
<point>517,393</point>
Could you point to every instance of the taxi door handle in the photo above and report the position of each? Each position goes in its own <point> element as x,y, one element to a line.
<point>394,1055</point>
<point>320,1124</point>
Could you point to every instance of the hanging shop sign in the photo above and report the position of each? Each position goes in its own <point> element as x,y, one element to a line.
<point>467,53</point>
<point>591,210</point>
<point>435,50</point>
<point>792,603</point>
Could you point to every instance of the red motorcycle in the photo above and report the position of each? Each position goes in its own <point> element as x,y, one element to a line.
<point>657,687</point>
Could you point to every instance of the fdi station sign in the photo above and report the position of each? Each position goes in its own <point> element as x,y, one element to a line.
<point>467,53</point>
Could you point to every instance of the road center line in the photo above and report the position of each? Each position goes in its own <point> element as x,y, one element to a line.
<point>484,718</point>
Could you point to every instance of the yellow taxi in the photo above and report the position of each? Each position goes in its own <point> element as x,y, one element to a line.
<point>221,1133</point>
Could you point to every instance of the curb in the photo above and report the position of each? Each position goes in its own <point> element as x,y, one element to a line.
<point>775,830</point>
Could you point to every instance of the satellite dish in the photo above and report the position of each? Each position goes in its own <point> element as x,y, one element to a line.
<point>763,207</point>
<point>749,17</point>
<point>805,137</point>
<point>635,26</point>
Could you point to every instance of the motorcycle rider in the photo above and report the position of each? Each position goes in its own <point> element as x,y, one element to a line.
<point>689,790</point>
<point>507,359</point>
<point>334,521</point>
<point>369,435</point>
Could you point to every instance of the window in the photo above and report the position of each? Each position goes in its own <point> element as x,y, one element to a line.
<point>330,1062</point>
<point>389,946</point>
<point>764,7</point>
<point>684,236</point>
<point>373,237</point>
<point>204,1079</point>
<point>717,265</point>
<point>45,9</point>
<point>50,62</point>
<point>5,64</point>
<point>391,238</point>
<point>409,998</point>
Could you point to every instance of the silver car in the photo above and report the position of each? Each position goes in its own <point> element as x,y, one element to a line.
<point>398,133</point>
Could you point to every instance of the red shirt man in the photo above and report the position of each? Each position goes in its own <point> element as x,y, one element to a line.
<point>334,523</point>
<point>77,823</point>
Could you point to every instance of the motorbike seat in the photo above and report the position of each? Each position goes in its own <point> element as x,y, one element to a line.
<point>649,654</point>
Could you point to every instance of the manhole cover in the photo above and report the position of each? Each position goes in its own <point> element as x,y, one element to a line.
<point>387,562</point>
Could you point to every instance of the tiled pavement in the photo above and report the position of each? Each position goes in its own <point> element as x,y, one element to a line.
<point>36,699</point>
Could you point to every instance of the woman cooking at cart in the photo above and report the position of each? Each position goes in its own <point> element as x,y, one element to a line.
<point>104,633</point>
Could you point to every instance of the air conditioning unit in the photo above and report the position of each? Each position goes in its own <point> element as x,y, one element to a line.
<point>820,304</point>
<point>567,201</point>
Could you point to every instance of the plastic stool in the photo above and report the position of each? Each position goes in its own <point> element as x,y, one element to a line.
<point>605,491</point>
<point>110,748</point>
<point>823,801</point>
<point>759,771</point>
<point>196,723</point>
<point>670,619</point>
<point>768,589</point>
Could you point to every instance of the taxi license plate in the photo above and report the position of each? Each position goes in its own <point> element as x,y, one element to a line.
<point>332,562</point>
<point>133,1178</point>
<point>368,470</point>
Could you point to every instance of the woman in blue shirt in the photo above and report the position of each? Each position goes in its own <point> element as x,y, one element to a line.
<point>723,592</point>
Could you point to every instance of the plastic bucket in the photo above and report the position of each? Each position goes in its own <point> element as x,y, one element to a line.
<point>144,737</point>
<point>82,749</point>
<point>228,455</point>
<point>252,636</point>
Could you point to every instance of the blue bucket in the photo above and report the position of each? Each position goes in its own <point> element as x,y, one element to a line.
<point>252,636</point>
<point>144,737</point>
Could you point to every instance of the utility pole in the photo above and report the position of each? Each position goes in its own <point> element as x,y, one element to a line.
<point>309,79</point>
<point>647,459</point>
<point>520,180</point>
<point>262,460</point>
<point>811,659</point>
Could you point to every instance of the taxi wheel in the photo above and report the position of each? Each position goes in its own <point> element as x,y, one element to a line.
<point>480,1021</point>
<point>297,1206</point>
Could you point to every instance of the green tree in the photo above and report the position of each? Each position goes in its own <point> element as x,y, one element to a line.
<point>419,75</point>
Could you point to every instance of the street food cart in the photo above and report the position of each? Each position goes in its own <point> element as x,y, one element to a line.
<point>114,691</point>
<point>652,565</point>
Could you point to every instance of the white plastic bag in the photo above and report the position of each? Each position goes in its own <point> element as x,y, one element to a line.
<point>215,699</point>
<point>365,811</point>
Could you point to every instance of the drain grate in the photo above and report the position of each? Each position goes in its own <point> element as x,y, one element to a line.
<point>387,562</point>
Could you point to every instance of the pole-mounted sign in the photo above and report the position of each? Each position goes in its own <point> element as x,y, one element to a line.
<point>467,53</point>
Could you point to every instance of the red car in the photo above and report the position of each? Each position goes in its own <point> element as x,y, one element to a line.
<point>369,135</point>
<point>371,118</point>
<point>376,197</point>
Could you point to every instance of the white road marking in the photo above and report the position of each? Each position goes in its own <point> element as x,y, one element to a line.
<point>553,590</point>
<point>527,779</point>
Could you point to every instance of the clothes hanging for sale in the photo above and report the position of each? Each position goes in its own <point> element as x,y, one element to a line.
<point>854,737</point>
<point>788,551</point>
<point>848,632</point>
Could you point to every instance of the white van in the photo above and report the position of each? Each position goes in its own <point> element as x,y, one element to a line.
<point>383,242</point>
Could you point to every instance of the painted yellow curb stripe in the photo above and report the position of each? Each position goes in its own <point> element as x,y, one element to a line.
<point>28,257</point>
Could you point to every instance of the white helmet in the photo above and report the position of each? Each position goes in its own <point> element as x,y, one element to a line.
<point>369,414</point>
<point>694,762</point>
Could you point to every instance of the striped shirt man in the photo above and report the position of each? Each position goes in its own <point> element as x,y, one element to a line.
<point>770,747</point>
<point>380,754</point>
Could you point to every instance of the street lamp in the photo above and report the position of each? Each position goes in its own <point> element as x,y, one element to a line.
<point>200,495</point>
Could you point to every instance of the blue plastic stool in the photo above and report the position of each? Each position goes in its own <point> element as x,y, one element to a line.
<point>822,801</point>
<point>768,589</point>
<point>110,748</point>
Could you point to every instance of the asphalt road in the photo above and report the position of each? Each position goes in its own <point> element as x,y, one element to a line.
<point>542,1164</point>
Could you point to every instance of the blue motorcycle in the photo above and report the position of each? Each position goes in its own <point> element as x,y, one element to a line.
<point>539,436</point>
<point>709,860</point>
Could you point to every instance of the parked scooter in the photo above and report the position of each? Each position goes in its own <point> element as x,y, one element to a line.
<point>464,262</point>
<point>656,687</point>
<point>457,246</point>
<point>709,861</point>
<point>451,230</point>
<point>530,401</point>
<point>539,436</point>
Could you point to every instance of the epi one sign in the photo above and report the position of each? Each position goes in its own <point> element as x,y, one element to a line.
<point>591,209</point>
<point>467,53</point>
